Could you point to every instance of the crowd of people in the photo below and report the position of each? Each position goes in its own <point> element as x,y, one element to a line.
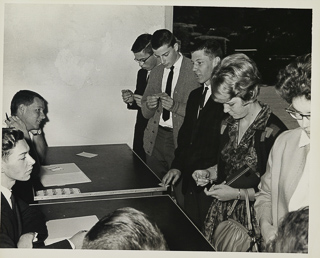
<point>201,129</point>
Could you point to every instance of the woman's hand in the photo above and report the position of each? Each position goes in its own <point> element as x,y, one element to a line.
<point>222,192</point>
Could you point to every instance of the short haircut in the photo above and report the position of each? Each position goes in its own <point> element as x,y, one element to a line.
<point>142,43</point>
<point>125,229</point>
<point>25,97</point>
<point>211,47</point>
<point>295,79</point>
<point>238,76</point>
<point>10,137</point>
<point>292,235</point>
<point>162,37</point>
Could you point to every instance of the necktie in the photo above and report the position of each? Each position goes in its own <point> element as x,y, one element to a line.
<point>166,113</point>
<point>16,214</point>
<point>203,97</point>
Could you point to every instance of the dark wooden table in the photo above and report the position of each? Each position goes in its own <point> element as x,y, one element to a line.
<point>179,232</point>
<point>117,170</point>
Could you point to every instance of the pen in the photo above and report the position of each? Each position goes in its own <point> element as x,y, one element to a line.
<point>7,116</point>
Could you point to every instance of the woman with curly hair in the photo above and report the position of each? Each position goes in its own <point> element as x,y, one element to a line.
<point>283,187</point>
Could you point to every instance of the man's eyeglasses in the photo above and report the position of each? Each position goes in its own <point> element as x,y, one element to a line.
<point>142,60</point>
<point>295,114</point>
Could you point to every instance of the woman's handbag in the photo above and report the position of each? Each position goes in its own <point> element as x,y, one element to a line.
<point>231,236</point>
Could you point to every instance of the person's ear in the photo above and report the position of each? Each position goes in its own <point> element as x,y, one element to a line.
<point>176,47</point>
<point>216,61</point>
<point>21,109</point>
<point>253,95</point>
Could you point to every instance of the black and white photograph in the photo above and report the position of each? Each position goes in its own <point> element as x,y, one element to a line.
<point>159,128</point>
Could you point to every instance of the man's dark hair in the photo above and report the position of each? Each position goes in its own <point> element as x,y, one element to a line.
<point>211,47</point>
<point>161,38</point>
<point>142,43</point>
<point>10,137</point>
<point>25,97</point>
<point>125,229</point>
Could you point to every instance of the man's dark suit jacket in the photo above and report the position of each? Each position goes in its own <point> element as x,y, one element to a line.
<point>141,122</point>
<point>31,220</point>
<point>198,139</point>
<point>198,143</point>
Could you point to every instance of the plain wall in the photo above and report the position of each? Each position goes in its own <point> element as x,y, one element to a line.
<point>78,57</point>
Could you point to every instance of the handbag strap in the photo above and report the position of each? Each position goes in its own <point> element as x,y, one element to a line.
<point>248,209</point>
<point>246,194</point>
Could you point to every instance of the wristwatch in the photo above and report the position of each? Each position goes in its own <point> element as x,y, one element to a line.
<point>36,132</point>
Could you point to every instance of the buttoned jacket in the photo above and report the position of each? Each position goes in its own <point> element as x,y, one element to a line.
<point>185,84</point>
<point>284,169</point>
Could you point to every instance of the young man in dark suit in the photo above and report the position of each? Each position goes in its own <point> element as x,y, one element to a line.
<point>164,101</point>
<point>143,54</point>
<point>198,139</point>
<point>22,226</point>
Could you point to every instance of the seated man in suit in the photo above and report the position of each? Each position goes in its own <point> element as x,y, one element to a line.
<point>125,229</point>
<point>27,114</point>
<point>22,226</point>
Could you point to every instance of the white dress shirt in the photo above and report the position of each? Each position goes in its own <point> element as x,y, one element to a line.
<point>176,72</point>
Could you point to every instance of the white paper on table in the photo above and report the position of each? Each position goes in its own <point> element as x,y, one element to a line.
<point>60,229</point>
<point>62,174</point>
<point>87,154</point>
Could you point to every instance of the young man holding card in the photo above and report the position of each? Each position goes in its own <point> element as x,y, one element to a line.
<point>164,102</point>
<point>198,139</point>
<point>143,55</point>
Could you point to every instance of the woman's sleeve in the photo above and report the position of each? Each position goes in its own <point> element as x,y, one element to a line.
<point>263,206</point>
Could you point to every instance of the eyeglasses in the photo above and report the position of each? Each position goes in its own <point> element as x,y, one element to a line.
<point>295,114</point>
<point>143,60</point>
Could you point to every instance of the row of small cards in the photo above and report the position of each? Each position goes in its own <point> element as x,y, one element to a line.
<point>58,191</point>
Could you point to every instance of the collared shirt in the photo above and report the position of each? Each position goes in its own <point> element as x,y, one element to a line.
<point>300,197</point>
<point>176,72</point>
<point>208,94</point>
<point>7,194</point>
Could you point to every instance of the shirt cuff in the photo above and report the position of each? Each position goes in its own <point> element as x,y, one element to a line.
<point>72,244</point>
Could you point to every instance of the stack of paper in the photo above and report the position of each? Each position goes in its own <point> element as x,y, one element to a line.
<point>62,174</point>
<point>60,229</point>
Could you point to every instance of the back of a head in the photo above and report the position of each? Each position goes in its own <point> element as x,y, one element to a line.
<point>162,37</point>
<point>292,235</point>
<point>237,75</point>
<point>295,79</point>
<point>142,43</point>
<point>25,97</point>
<point>211,47</point>
<point>125,229</point>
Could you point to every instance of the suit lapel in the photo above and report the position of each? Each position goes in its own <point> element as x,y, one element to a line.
<point>8,216</point>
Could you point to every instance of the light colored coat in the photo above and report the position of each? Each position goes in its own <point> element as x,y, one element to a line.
<point>186,83</point>
<point>284,169</point>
